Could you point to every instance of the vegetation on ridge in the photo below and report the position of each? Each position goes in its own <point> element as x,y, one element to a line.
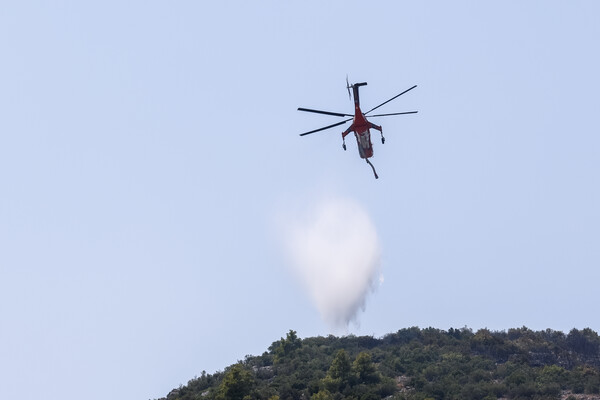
<point>411,364</point>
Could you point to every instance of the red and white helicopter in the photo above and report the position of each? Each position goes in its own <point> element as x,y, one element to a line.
<point>360,126</point>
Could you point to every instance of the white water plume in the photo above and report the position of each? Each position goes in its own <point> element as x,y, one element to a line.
<point>335,251</point>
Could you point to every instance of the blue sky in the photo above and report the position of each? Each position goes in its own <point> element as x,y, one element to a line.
<point>147,147</point>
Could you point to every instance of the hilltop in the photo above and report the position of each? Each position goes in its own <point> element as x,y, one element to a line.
<point>415,364</point>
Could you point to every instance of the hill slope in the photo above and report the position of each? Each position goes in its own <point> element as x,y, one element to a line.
<point>414,363</point>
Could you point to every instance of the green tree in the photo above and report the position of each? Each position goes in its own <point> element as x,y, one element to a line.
<point>365,369</point>
<point>340,366</point>
<point>237,383</point>
<point>288,346</point>
<point>552,374</point>
<point>339,372</point>
<point>322,395</point>
<point>585,341</point>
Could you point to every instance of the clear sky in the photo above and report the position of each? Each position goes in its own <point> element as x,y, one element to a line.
<point>147,147</point>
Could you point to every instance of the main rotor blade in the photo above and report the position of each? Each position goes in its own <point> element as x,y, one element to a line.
<point>324,112</point>
<point>385,102</point>
<point>400,113</point>
<point>325,127</point>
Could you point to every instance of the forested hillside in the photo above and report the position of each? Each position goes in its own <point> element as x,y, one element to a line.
<point>413,363</point>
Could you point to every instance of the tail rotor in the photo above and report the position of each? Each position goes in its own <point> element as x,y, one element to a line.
<point>348,87</point>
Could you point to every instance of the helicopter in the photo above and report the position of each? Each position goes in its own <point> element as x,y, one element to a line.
<point>360,126</point>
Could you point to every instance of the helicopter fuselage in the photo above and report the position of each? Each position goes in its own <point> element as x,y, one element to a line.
<point>362,133</point>
<point>361,127</point>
